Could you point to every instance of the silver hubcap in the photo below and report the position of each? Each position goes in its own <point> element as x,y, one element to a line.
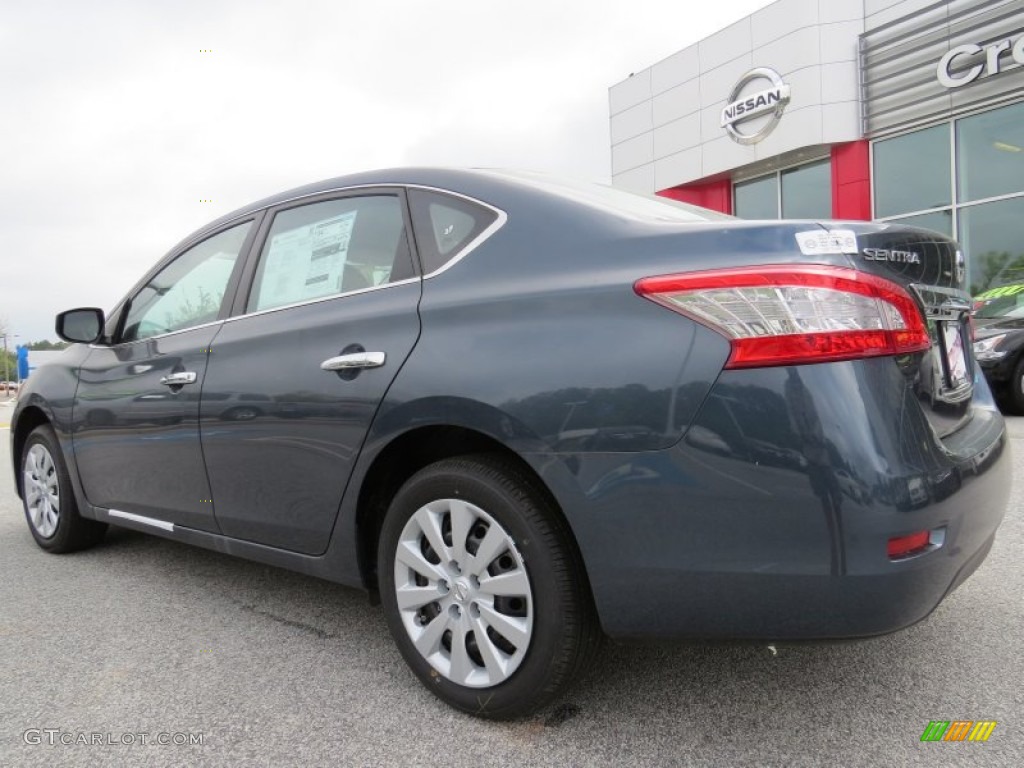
<point>463,593</point>
<point>42,491</point>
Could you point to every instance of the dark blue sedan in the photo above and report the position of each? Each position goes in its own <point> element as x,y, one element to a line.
<point>526,414</point>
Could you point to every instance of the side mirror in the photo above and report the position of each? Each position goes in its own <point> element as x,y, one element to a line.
<point>80,326</point>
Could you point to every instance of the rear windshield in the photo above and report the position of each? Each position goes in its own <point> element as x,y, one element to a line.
<point>616,201</point>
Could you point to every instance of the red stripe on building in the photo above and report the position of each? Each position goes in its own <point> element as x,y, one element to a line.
<point>716,195</point>
<point>851,181</point>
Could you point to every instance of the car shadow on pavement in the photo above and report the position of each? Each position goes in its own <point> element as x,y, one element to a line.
<point>703,693</point>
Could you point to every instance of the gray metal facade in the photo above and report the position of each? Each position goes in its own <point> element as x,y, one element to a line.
<point>902,63</point>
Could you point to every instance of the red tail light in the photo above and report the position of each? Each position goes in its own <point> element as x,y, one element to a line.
<point>902,546</point>
<point>792,314</point>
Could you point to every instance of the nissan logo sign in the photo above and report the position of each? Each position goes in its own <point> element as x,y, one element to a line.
<point>748,106</point>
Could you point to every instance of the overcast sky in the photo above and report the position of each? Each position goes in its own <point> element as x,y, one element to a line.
<point>114,125</point>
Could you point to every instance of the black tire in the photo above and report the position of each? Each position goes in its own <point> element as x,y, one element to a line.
<point>564,635</point>
<point>72,531</point>
<point>1015,393</point>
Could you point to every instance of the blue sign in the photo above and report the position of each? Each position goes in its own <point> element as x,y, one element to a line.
<point>23,362</point>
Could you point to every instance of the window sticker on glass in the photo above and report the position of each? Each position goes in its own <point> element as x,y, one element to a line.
<point>306,262</point>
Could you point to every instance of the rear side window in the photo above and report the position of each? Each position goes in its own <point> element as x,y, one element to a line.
<point>331,247</point>
<point>445,225</point>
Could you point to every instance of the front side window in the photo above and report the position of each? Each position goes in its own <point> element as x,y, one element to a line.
<point>187,292</point>
<point>332,247</point>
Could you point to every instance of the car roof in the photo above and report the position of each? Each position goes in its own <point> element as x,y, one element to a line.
<point>490,185</point>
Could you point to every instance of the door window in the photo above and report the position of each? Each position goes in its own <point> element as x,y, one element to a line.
<point>329,248</point>
<point>189,291</point>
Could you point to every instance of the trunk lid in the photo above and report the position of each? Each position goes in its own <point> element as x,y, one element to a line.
<point>931,267</point>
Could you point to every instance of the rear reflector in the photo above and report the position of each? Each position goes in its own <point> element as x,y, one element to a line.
<point>902,546</point>
<point>793,314</point>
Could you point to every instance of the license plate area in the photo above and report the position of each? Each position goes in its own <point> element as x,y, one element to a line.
<point>951,337</point>
<point>947,375</point>
<point>949,382</point>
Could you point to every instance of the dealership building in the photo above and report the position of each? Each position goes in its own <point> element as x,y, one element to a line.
<point>907,111</point>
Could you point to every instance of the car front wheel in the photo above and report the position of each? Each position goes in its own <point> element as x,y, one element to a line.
<point>481,588</point>
<point>49,501</point>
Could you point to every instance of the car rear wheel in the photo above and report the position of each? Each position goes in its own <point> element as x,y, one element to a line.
<point>50,506</point>
<point>482,589</point>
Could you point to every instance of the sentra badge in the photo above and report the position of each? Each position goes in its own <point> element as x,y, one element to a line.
<point>897,257</point>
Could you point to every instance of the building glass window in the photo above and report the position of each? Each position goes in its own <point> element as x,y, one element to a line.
<point>912,172</point>
<point>804,192</point>
<point>939,221</point>
<point>990,154</point>
<point>992,235</point>
<point>915,176</point>
<point>807,192</point>
<point>758,199</point>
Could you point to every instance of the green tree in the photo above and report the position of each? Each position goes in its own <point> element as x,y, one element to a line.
<point>11,365</point>
<point>11,359</point>
<point>48,346</point>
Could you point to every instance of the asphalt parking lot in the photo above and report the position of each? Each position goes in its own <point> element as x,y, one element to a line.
<point>142,637</point>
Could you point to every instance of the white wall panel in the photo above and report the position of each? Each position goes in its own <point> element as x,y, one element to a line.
<point>636,180</point>
<point>791,52</point>
<point>724,154</point>
<point>839,41</point>
<point>676,102</point>
<point>839,82</point>
<point>675,70</point>
<point>830,11</point>
<point>803,129</point>
<point>780,19</point>
<point>840,122</point>
<point>630,92</point>
<point>631,122</point>
<point>682,165</point>
<point>633,153</point>
<point>665,121</point>
<point>806,89</point>
<point>723,46</point>
<point>676,136</point>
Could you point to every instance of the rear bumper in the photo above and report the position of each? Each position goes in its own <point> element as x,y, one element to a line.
<point>770,519</point>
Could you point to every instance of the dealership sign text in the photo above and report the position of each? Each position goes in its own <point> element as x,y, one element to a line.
<point>992,64</point>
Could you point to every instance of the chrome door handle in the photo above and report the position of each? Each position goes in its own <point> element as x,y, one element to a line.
<point>177,379</point>
<point>353,360</point>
